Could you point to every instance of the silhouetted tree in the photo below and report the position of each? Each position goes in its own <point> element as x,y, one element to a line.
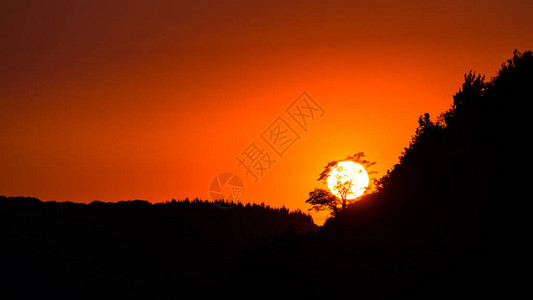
<point>322,199</point>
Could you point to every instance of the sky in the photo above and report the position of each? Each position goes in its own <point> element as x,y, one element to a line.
<point>121,100</point>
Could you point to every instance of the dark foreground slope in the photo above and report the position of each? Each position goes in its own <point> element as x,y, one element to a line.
<point>443,223</point>
<point>130,248</point>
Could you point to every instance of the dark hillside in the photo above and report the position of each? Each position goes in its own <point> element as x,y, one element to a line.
<point>129,247</point>
<point>441,216</point>
<point>440,222</point>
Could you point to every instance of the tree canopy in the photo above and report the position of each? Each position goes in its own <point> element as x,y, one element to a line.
<point>322,199</point>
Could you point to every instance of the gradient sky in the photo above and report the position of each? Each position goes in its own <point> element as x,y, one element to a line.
<point>118,100</point>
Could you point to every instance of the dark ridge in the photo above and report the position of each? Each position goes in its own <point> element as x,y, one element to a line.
<point>443,222</point>
<point>129,247</point>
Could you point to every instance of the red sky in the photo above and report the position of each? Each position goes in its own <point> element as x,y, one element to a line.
<point>117,100</point>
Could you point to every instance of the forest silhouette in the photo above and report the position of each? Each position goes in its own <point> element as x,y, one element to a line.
<point>130,248</point>
<point>436,226</point>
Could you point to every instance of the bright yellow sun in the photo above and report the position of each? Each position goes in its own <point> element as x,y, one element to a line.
<point>348,180</point>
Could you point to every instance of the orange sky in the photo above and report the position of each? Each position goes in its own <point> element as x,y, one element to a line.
<point>152,99</point>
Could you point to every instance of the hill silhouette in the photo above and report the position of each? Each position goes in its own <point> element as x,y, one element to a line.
<point>439,225</point>
<point>129,248</point>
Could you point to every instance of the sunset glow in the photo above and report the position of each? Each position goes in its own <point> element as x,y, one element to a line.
<point>264,148</point>
<point>154,101</point>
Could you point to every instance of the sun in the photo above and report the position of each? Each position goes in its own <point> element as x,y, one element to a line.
<point>348,180</point>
